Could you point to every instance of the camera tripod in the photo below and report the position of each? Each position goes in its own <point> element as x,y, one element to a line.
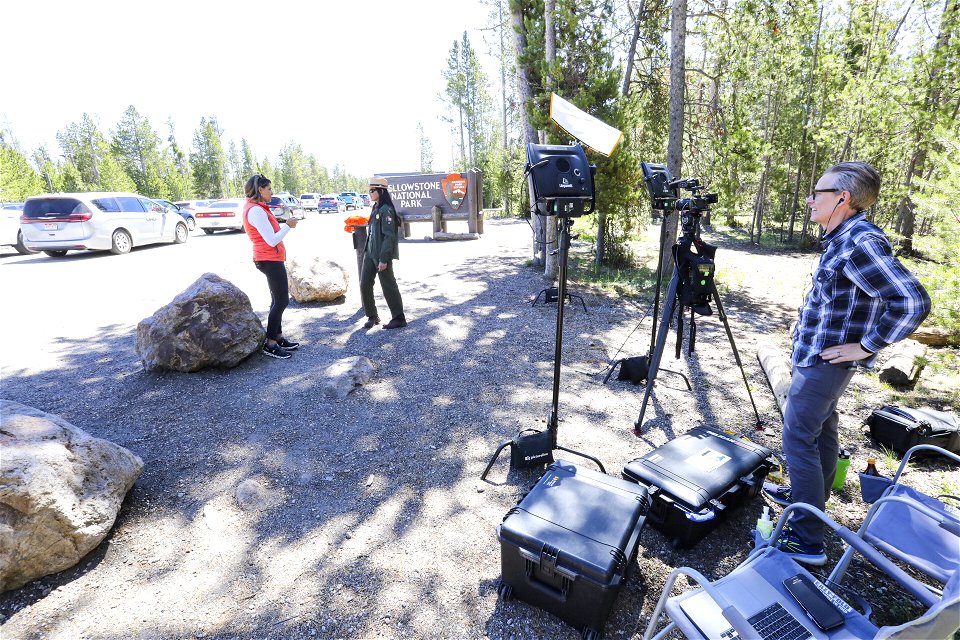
<point>674,301</point>
<point>544,443</point>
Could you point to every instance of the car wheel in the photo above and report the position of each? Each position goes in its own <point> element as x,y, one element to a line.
<point>209,232</point>
<point>121,241</point>
<point>191,224</point>
<point>180,234</point>
<point>58,253</point>
<point>20,247</point>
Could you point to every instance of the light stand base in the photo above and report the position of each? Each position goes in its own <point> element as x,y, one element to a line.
<point>552,294</point>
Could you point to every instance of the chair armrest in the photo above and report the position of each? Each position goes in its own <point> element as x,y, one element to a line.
<point>922,447</point>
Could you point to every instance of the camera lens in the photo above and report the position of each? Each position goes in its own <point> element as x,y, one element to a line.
<point>563,165</point>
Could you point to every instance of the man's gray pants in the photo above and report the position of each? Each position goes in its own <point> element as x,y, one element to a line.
<point>810,440</point>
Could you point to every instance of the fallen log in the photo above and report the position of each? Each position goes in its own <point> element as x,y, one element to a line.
<point>776,366</point>
<point>903,365</point>
<point>936,337</point>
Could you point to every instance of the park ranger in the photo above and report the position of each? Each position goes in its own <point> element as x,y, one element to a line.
<point>378,257</point>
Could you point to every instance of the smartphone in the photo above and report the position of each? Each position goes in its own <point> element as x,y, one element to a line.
<point>819,608</point>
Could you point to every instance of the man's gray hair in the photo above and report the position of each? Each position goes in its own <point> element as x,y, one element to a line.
<point>858,178</point>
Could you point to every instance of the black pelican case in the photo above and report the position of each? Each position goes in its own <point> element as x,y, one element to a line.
<point>568,544</point>
<point>696,479</point>
<point>901,428</point>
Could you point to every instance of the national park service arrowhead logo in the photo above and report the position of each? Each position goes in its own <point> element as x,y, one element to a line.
<point>455,189</point>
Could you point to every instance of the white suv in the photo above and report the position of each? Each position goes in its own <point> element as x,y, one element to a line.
<point>101,221</point>
<point>309,201</point>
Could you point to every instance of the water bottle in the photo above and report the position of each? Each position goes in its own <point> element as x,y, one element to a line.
<point>843,463</point>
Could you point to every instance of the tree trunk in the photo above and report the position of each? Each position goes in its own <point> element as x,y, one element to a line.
<point>678,35</point>
<point>526,98</point>
<point>632,52</point>
<point>795,202</point>
<point>550,54</point>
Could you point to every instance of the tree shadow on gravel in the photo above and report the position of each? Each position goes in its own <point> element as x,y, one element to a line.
<point>367,516</point>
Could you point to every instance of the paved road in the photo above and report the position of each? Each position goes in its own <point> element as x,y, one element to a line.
<point>55,303</point>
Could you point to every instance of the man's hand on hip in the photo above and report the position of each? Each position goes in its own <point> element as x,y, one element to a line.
<point>850,352</point>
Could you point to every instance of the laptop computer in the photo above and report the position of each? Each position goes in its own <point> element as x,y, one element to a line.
<point>761,603</point>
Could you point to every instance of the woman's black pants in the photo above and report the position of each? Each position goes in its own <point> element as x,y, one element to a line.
<point>276,274</point>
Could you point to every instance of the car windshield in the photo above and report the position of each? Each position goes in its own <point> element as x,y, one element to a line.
<point>14,206</point>
<point>227,204</point>
<point>307,196</point>
<point>46,207</point>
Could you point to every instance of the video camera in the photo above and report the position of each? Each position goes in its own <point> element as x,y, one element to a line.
<point>664,190</point>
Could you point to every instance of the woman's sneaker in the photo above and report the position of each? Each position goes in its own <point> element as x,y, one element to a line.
<point>289,345</point>
<point>791,544</point>
<point>275,351</point>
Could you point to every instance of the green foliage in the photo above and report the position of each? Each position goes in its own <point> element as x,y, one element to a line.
<point>208,161</point>
<point>18,179</point>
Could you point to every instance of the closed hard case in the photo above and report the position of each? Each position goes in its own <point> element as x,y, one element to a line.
<point>568,544</point>
<point>696,479</point>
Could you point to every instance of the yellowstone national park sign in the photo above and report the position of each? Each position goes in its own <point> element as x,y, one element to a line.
<point>452,192</point>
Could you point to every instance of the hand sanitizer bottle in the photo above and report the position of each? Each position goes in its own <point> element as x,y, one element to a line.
<point>764,525</point>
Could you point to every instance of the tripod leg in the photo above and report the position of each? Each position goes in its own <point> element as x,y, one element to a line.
<point>736,354</point>
<point>496,455</point>
<point>669,302</point>
<point>583,455</point>
<point>612,367</point>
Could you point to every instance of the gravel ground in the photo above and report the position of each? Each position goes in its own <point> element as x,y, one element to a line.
<point>367,517</point>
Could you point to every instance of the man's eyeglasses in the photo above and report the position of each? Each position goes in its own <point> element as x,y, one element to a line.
<point>816,191</point>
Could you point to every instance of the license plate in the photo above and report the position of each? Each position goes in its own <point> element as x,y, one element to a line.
<point>50,226</point>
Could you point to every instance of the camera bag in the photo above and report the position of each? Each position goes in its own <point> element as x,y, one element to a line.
<point>900,428</point>
<point>695,480</point>
<point>568,545</point>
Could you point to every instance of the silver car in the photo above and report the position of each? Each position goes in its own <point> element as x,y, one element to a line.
<point>98,221</point>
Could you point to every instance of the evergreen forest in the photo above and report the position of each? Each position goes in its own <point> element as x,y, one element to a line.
<point>756,98</point>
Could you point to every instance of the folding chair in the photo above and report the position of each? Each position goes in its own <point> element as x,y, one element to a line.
<point>757,586</point>
<point>917,529</point>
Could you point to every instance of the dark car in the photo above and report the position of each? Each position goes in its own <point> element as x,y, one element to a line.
<point>187,215</point>
<point>331,202</point>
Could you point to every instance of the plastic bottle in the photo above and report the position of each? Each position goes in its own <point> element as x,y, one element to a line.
<point>764,525</point>
<point>871,469</point>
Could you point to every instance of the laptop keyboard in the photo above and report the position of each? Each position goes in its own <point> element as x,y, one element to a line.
<point>773,623</point>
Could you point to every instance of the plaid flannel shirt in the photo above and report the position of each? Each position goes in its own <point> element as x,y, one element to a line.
<point>860,293</point>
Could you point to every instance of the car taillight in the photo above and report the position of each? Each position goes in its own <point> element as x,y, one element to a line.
<point>79,217</point>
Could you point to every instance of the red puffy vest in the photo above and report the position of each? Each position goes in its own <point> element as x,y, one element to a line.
<point>262,252</point>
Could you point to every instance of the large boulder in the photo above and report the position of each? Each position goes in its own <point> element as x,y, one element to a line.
<point>313,279</point>
<point>60,490</point>
<point>210,324</point>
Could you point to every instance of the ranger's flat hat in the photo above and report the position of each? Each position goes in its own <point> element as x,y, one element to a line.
<point>378,182</point>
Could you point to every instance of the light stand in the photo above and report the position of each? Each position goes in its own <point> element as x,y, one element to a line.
<point>559,167</point>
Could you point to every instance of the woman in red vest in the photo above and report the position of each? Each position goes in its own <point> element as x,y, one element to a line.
<point>268,255</point>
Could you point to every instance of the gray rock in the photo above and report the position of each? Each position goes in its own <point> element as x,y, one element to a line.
<point>60,490</point>
<point>313,279</point>
<point>210,324</point>
<point>346,374</point>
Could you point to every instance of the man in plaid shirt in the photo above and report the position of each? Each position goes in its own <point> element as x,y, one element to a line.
<point>861,300</point>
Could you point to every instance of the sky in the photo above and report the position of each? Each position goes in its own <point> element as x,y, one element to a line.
<point>347,80</point>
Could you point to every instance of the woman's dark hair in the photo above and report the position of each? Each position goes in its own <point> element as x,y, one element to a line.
<point>384,198</point>
<point>252,187</point>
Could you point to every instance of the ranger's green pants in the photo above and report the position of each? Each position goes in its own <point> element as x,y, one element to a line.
<point>391,292</point>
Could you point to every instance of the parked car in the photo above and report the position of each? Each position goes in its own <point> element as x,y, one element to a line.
<point>184,213</point>
<point>352,198</point>
<point>221,215</point>
<point>99,221</point>
<point>191,205</point>
<point>331,202</point>
<point>10,234</point>
<point>366,199</point>
<point>292,203</point>
<point>309,201</point>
